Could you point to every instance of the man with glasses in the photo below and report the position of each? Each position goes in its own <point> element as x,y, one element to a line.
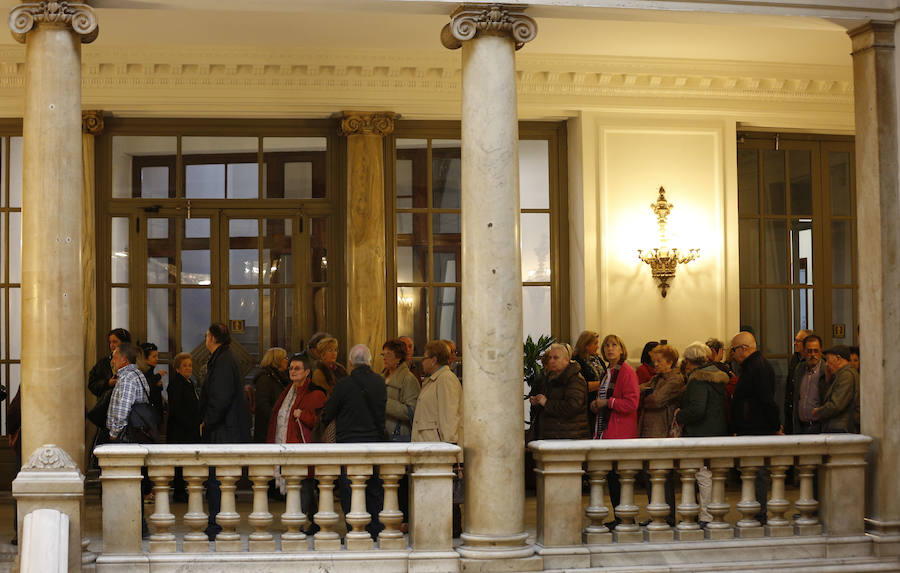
<point>809,386</point>
<point>784,391</point>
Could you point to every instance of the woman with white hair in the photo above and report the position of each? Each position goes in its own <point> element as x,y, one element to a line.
<point>559,398</point>
<point>703,410</point>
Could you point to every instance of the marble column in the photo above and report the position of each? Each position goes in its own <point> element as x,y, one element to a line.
<point>91,127</point>
<point>52,312</point>
<point>878,236</point>
<point>366,305</point>
<point>492,285</point>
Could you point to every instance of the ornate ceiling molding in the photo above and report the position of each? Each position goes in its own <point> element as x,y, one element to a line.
<point>114,78</point>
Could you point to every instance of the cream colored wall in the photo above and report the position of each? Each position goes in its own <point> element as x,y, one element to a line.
<point>617,164</point>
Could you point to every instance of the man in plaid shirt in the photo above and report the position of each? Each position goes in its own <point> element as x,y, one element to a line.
<point>131,388</point>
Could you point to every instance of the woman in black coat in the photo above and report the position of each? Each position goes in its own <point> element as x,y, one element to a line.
<point>269,384</point>
<point>184,413</point>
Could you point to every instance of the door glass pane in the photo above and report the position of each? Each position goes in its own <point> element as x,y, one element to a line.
<point>447,245</point>
<point>446,174</point>
<point>277,251</point>
<point>119,303</point>
<point>243,305</point>
<point>15,247</point>
<point>140,166</point>
<point>15,322</point>
<point>750,310</point>
<point>160,316</point>
<point>195,269</point>
<point>404,183</point>
<point>446,266</point>
<point>204,181</point>
<point>120,249</point>
<point>773,182</point>
<point>842,315</point>
<point>278,310</point>
<point>296,167</point>
<point>3,218</point>
<point>242,181</point>
<point>801,182</point>
<point>447,310</point>
<point>243,251</point>
<point>320,308</point>
<point>801,252</point>
<point>839,183</point>
<point>412,247</point>
<point>535,311</point>
<point>535,241</point>
<point>15,172</point>
<point>803,309</point>
<point>160,251</point>
<point>534,174</point>
<point>748,243</point>
<point>842,252</point>
<point>12,325</point>
<point>412,315</point>
<point>748,181</point>
<point>778,335</point>
<point>318,247</point>
<point>776,250</point>
<point>195,317</point>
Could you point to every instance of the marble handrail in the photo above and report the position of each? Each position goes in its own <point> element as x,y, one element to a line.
<point>836,509</point>
<point>430,474</point>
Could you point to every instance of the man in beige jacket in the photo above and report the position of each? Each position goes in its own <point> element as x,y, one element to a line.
<point>438,416</point>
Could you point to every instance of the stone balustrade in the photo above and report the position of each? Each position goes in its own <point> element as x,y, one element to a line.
<point>278,539</point>
<point>829,521</point>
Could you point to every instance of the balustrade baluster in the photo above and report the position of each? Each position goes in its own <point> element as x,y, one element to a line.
<point>228,540</point>
<point>162,540</point>
<point>688,529</point>
<point>778,525</point>
<point>326,539</point>
<point>748,526</point>
<point>718,507</point>
<point>293,540</point>
<point>597,511</point>
<point>807,523</point>
<point>391,537</point>
<point>261,519</point>
<point>658,529</point>
<point>195,540</point>
<point>628,531</point>
<point>358,539</point>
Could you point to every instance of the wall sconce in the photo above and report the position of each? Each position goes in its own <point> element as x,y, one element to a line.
<point>405,300</point>
<point>662,260</point>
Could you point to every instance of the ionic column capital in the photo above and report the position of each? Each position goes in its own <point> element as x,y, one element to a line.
<point>472,20</point>
<point>92,122</point>
<point>368,123</point>
<point>80,16</point>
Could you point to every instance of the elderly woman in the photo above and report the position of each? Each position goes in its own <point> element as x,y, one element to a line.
<point>328,371</point>
<point>269,383</point>
<point>183,426</point>
<point>559,398</point>
<point>402,391</point>
<point>703,410</point>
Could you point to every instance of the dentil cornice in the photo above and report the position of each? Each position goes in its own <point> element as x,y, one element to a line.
<point>113,77</point>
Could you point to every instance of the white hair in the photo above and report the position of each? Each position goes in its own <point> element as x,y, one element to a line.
<point>697,353</point>
<point>360,354</point>
<point>564,348</point>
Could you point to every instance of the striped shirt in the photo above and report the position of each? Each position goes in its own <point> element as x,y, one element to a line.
<point>131,388</point>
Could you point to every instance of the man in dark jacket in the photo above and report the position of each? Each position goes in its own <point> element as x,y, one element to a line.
<point>357,405</point>
<point>839,412</point>
<point>753,408</point>
<point>223,409</point>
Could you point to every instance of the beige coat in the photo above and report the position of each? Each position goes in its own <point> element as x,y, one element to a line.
<point>402,394</point>
<point>438,415</point>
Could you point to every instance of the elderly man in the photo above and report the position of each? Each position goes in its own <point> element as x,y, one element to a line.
<point>784,391</point>
<point>357,405</point>
<point>839,412</point>
<point>809,386</point>
<point>753,408</point>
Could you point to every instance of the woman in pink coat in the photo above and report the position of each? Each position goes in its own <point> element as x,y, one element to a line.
<point>616,406</point>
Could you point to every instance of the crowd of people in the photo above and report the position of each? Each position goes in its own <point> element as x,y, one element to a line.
<point>590,391</point>
<point>306,397</point>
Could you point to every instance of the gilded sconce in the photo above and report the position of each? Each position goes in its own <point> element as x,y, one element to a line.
<point>664,261</point>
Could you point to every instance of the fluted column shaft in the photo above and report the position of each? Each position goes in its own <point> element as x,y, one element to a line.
<point>52,373</point>
<point>492,279</point>
<point>878,209</point>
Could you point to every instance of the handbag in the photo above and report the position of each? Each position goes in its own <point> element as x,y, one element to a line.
<point>397,435</point>
<point>143,423</point>
<point>675,429</point>
<point>97,414</point>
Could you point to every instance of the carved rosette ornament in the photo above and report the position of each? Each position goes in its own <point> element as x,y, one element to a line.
<point>92,122</point>
<point>78,15</point>
<point>368,123</point>
<point>471,20</point>
<point>49,457</point>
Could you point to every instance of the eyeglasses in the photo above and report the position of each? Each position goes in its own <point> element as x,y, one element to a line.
<point>733,348</point>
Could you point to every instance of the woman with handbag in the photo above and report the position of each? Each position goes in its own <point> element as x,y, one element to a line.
<point>402,391</point>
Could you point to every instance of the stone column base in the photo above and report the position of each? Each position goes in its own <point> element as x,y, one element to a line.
<point>628,536</point>
<point>659,536</point>
<point>749,532</point>
<point>885,536</point>
<point>690,534</point>
<point>566,557</point>
<point>724,533</point>
<point>808,530</point>
<point>597,538</point>
<point>779,530</point>
<point>514,565</point>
